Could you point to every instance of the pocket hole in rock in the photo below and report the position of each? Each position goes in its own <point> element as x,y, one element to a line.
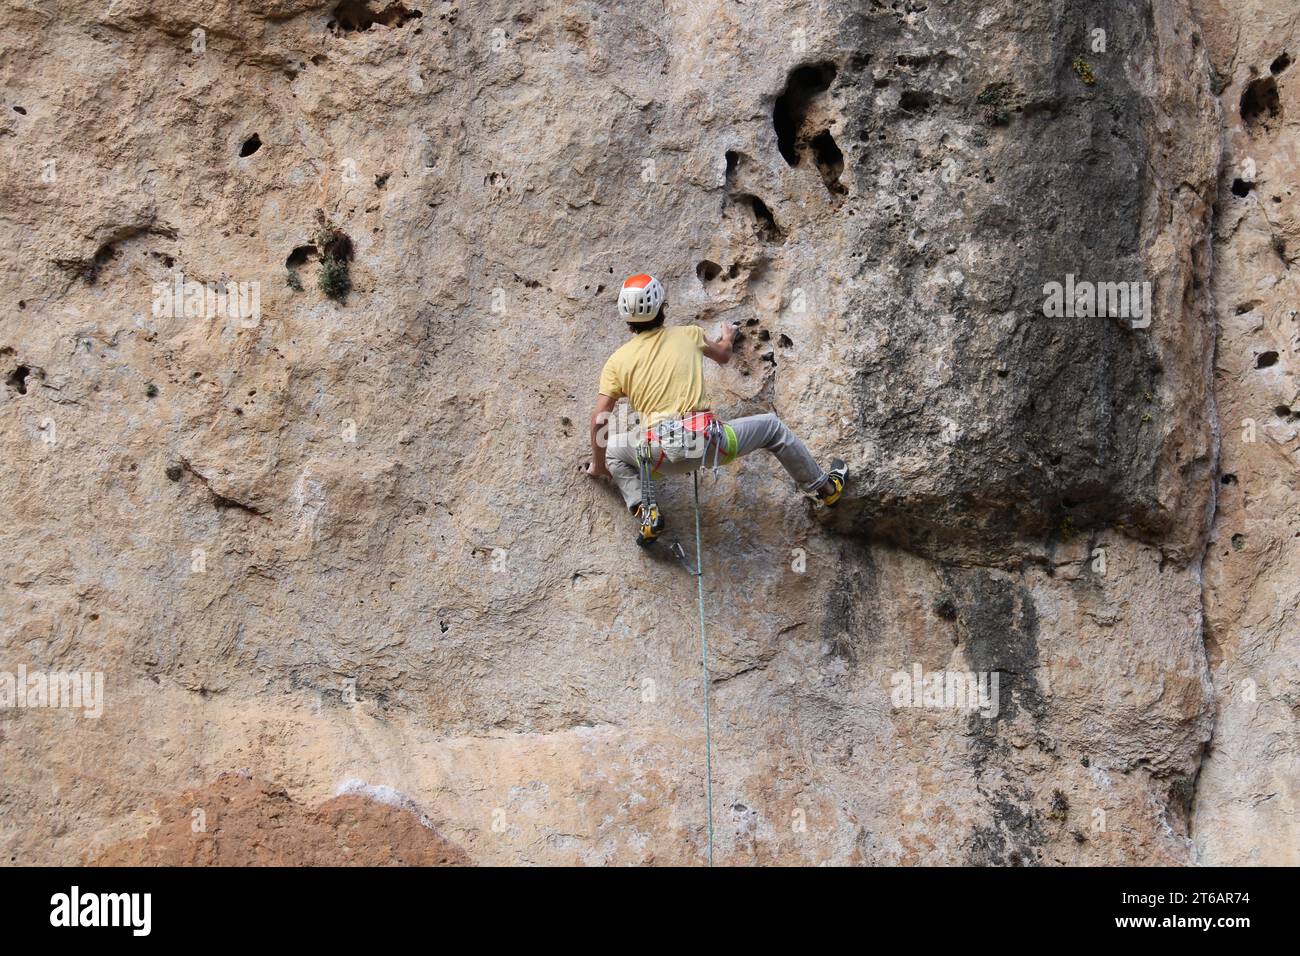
<point>17,379</point>
<point>355,16</point>
<point>1260,102</point>
<point>1241,188</point>
<point>1280,64</point>
<point>914,101</point>
<point>1266,359</point>
<point>830,161</point>
<point>763,217</point>
<point>707,270</point>
<point>299,256</point>
<point>102,257</point>
<point>803,85</point>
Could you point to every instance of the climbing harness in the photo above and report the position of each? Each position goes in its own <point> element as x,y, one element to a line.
<point>697,435</point>
<point>676,440</point>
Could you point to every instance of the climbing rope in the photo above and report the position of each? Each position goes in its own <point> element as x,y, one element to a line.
<point>704,663</point>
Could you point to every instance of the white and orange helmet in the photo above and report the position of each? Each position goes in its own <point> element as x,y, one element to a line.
<point>640,298</point>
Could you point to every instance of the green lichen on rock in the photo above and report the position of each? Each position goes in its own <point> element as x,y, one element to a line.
<point>1084,70</point>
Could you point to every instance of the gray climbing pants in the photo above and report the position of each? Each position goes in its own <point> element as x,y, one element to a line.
<point>737,438</point>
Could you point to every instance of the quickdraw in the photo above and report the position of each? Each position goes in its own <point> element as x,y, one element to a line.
<point>649,514</point>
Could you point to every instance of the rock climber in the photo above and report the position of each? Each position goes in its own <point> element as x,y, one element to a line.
<point>661,372</point>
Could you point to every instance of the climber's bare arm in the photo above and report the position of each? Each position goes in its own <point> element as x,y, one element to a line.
<point>600,436</point>
<point>720,351</point>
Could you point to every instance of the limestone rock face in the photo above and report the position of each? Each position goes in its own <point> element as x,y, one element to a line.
<point>239,821</point>
<point>1248,791</point>
<point>326,532</point>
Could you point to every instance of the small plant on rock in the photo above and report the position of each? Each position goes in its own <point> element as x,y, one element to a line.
<point>334,280</point>
<point>997,100</point>
<point>945,607</point>
<point>335,253</point>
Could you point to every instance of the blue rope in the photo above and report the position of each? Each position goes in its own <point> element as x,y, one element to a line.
<point>704,664</point>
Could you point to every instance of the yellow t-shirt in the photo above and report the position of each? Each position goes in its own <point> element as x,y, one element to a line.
<point>660,372</point>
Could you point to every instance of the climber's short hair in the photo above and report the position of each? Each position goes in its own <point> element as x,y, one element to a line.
<point>656,323</point>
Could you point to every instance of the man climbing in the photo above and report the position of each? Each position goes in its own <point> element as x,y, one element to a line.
<point>661,371</point>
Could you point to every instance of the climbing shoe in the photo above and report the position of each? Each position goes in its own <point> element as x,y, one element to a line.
<point>838,474</point>
<point>649,526</point>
